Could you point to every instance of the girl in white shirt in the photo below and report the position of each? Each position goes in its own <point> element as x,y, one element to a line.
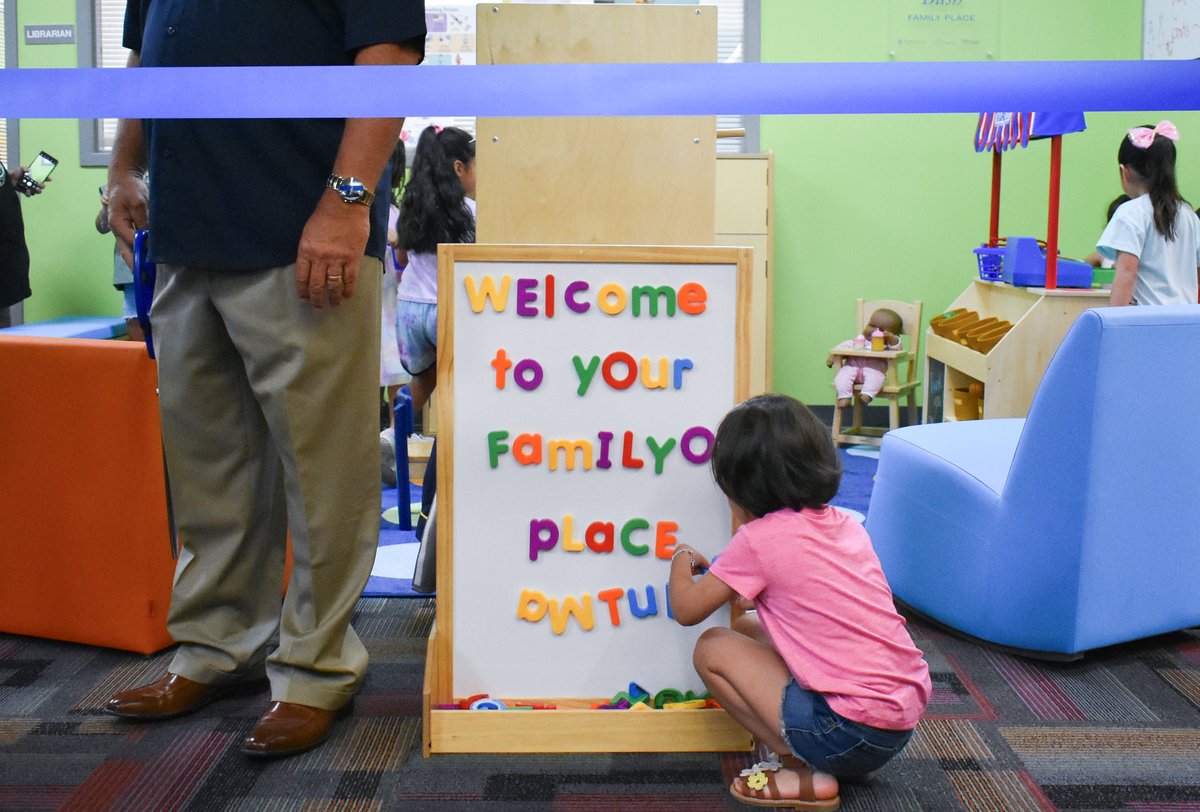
<point>1154,239</point>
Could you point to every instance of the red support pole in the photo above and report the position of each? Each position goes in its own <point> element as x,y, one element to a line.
<point>994,223</point>
<point>1052,224</point>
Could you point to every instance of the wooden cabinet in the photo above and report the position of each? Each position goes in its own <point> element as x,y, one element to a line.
<point>745,216</point>
<point>621,180</point>
<point>1011,370</point>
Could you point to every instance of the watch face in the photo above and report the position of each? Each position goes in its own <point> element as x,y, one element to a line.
<point>351,191</point>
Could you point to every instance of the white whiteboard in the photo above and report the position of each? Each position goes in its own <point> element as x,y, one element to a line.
<point>494,650</point>
<point>1171,29</point>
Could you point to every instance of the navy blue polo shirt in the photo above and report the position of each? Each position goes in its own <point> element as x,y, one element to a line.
<point>236,193</point>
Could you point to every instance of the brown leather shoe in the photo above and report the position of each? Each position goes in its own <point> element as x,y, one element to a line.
<point>167,698</point>
<point>288,728</point>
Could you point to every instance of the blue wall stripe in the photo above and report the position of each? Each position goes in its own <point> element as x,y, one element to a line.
<point>599,90</point>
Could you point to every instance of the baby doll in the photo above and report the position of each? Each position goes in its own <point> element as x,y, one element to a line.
<point>865,371</point>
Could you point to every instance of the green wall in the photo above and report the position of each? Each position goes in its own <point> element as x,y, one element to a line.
<point>891,206</point>
<point>70,264</point>
<point>872,206</point>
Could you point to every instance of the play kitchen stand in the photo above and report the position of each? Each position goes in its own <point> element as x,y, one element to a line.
<point>1010,370</point>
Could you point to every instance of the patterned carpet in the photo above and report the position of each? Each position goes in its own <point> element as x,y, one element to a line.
<point>1118,730</point>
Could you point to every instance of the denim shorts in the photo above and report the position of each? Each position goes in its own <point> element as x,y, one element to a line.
<point>832,743</point>
<point>130,308</point>
<point>416,331</point>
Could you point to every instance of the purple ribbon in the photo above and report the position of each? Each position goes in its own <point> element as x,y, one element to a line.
<point>672,89</point>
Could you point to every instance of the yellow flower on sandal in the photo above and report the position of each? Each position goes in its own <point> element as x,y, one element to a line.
<point>757,781</point>
<point>759,788</point>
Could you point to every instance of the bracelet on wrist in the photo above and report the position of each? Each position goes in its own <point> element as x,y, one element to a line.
<point>691,558</point>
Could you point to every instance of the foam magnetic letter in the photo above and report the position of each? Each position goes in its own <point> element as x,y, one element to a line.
<point>532,606</point>
<point>581,610</point>
<point>543,536</point>
<point>612,597</point>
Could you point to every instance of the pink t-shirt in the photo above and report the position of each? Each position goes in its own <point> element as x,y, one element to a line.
<point>823,600</point>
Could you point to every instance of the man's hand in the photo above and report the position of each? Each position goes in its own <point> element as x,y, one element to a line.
<point>331,248</point>
<point>128,209</point>
<point>335,237</point>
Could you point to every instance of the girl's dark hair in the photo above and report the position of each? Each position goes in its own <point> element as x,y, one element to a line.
<point>1117,202</point>
<point>399,165</point>
<point>1156,166</point>
<point>432,209</point>
<point>772,452</point>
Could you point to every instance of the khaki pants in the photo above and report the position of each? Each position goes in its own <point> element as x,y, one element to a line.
<point>270,424</point>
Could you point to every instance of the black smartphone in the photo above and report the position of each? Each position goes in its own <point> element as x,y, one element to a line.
<point>39,170</point>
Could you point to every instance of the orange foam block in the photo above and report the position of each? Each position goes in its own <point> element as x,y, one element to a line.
<point>85,554</point>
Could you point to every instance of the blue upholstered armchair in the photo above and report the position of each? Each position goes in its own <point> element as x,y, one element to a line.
<point>1074,528</point>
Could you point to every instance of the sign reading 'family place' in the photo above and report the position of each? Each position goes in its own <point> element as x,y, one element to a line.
<point>586,394</point>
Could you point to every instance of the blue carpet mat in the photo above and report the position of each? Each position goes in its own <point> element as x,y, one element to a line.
<point>392,575</point>
<point>394,561</point>
<point>858,477</point>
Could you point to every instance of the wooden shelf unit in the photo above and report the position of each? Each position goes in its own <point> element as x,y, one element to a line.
<point>745,216</point>
<point>572,728</point>
<point>661,196</point>
<point>1012,370</point>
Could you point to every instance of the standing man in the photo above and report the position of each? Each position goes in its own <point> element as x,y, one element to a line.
<point>269,243</point>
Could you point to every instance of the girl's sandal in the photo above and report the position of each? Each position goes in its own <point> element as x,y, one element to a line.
<point>761,789</point>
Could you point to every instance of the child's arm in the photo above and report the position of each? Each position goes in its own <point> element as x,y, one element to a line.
<point>692,599</point>
<point>1123,279</point>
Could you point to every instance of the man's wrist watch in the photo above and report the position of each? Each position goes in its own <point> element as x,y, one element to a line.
<point>352,190</point>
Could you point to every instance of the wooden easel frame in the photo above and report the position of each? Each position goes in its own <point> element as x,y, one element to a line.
<point>573,726</point>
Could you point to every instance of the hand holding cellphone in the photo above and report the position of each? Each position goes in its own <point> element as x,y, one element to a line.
<point>38,172</point>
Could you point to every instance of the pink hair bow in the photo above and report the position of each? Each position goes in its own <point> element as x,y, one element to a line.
<point>1143,137</point>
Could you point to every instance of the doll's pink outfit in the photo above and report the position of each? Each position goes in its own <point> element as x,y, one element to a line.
<point>869,372</point>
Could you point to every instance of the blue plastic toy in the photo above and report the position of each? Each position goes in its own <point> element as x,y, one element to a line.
<point>144,273</point>
<point>1025,265</point>
<point>402,425</point>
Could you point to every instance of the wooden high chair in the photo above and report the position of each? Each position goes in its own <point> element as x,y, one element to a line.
<point>897,383</point>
